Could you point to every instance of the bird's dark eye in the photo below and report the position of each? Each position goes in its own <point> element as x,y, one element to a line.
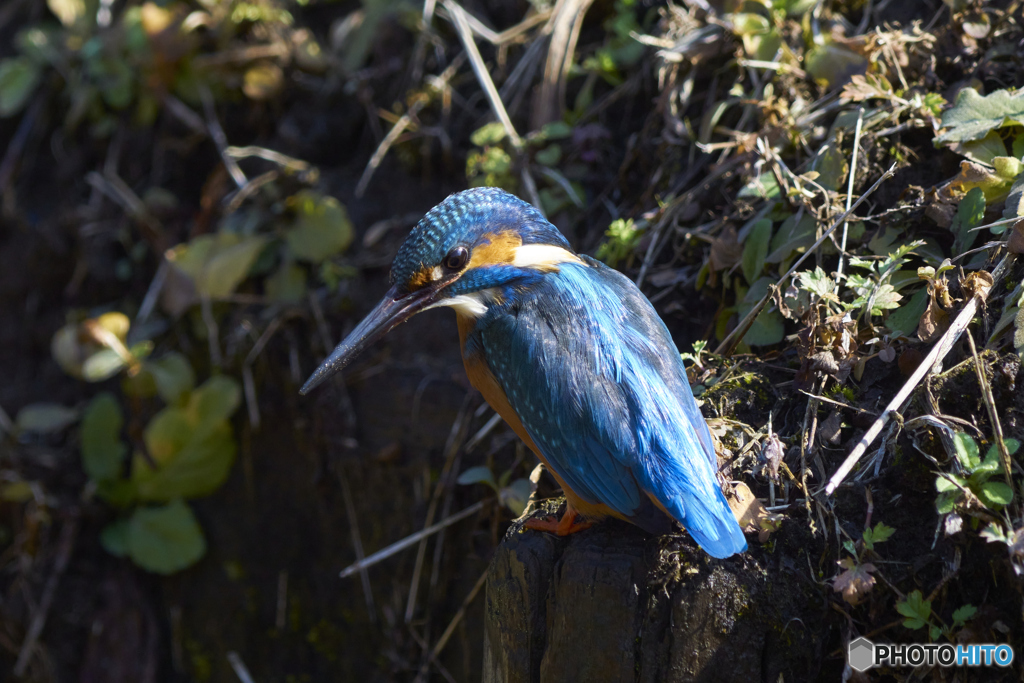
<point>457,258</point>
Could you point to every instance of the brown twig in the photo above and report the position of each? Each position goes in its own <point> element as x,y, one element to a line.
<point>993,414</point>
<point>65,547</point>
<point>443,640</point>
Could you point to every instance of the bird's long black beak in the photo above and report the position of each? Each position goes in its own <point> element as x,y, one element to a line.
<point>394,309</point>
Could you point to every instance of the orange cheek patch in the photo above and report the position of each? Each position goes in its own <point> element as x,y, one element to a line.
<point>421,278</point>
<point>499,248</point>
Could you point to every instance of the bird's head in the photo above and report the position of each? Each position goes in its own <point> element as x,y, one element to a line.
<point>465,253</point>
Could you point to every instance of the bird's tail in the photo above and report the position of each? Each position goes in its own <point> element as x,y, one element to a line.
<point>712,524</point>
<point>696,501</point>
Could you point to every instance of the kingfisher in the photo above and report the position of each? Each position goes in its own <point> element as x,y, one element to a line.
<point>574,358</point>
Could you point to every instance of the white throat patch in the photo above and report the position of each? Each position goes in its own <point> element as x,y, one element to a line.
<point>471,305</point>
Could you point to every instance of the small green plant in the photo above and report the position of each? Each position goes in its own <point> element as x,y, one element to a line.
<point>856,580</point>
<point>698,349</point>
<point>974,485</point>
<point>491,164</point>
<point>129,62</point>
<point>187,451</point>
<point>919,614</point>
<point>877,288</point>
<point>186,448</point>
<point>623,237</point>
<point>515,495</point>
<point>315,229</point>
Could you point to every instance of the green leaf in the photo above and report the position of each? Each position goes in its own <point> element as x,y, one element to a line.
<point>945,502</point>
<point>966,451</point>
<point>287,284</point>
<point>755,249</point>
<point>165,539</point>
<point>1014,207</point>
<point>215,401</point>
<point>917,610</point>
<point>193,447</point>
<point>879,534</point>
<point>974,115</point>
<point>478,475</point>
<point>963,615</point>
<point>906,318</point>
<point>792,235</point>
<point>114,538</point>
<point>19,77</point>
<point>102,365</point>
<point>488,134</point>
<point>69,12</point>
<point>994,493</point>
<point>45,418</point>
<point>173,376</point>
<point>516,495</point>
<point>103,452</point>
<point>816,282</point>
<point>833,63</point>
<point>556,130</point>
<point>549,156</point>
<point>831,166</point>
<point>994,533</point>
<point>949,483</point>
<point>969,214</point>
<point>321,229</point>
<point>187,468</point>
<point>769,326</point>
<point>217,264</point>
<point>985,150</point>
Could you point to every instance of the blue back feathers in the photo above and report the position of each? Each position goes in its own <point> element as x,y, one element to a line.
<point>597,382</point>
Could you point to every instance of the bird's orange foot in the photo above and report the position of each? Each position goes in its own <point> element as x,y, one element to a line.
<point>570,523</point>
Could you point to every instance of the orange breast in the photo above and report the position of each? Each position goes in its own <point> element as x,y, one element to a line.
<point>482,379</point>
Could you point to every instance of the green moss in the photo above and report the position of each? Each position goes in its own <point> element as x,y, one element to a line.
<point>199,662</point>
<point>327,639</point>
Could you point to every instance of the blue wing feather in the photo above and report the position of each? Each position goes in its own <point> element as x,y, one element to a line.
<point>598,383</point>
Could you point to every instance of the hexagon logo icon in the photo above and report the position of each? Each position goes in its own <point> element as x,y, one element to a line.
<point>860,653</point>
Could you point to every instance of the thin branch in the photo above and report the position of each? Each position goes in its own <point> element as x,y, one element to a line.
<point>411,540</point>
<point>443,640</point>
<point>849,193</point>
<point>938,352</point>
<point>461,23</point>
<point>64,548</point>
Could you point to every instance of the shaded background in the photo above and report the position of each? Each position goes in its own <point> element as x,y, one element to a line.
<point>665,138</point>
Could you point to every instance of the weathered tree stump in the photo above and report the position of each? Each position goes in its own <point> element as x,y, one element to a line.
<point>613,604</point>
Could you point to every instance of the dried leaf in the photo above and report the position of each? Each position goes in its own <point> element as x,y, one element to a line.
<point>830,429</point>
<point>725,250</point>
<point>933,323</point>
<point>855,582</point>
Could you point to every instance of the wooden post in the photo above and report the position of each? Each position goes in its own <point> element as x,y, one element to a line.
<point>613,604</point>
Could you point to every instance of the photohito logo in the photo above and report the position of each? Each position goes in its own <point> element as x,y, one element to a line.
<point>862,654</point>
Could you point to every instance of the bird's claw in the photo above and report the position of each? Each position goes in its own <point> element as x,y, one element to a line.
<point>569,523</point>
